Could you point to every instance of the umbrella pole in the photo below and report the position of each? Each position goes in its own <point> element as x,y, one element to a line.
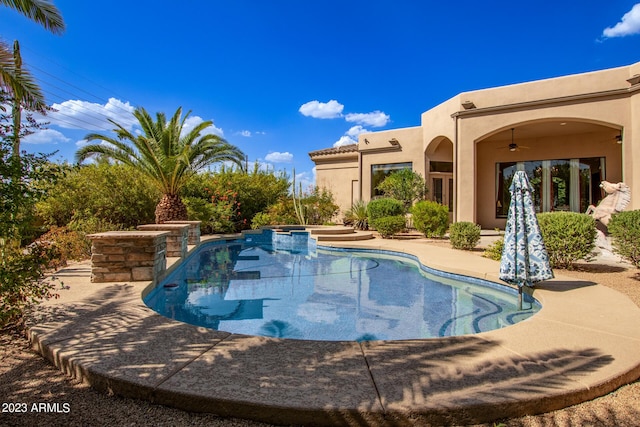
<point>519,297</point>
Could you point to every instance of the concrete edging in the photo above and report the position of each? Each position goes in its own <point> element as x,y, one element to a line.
<point>582,344</point>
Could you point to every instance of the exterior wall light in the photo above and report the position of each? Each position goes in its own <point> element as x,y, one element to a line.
<point>467,105</point>
<point>394,142</point>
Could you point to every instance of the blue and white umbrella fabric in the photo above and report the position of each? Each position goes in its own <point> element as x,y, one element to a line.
<point>525,260</point>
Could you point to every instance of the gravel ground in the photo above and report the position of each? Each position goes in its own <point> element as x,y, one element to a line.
<point>26,377</point>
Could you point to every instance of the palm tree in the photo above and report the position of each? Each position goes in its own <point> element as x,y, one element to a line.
<point>163,153</point>
<point>13,79</point>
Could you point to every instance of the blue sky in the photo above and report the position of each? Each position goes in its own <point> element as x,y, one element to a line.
<point>280,78</point>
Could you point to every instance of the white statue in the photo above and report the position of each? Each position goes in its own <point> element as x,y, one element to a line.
<point>617,199</point>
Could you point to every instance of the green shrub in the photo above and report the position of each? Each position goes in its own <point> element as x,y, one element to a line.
<point>357,216</point>
<point>568,237</point>
<point>115,194</point>
<point>387,226</point>
<point>430,218</point>
<point>379,208</point>
<point>66,245</point>
<point>624,228</point>
<point>255,190</point>
<point>404,185</point>
<point>494,250</point>
<point>318,206</point>
<point>464,235</point>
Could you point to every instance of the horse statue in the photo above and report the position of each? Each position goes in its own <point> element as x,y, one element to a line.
<point>617,199</point>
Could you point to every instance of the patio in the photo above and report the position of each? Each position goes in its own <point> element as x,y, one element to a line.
<point>583,344</point>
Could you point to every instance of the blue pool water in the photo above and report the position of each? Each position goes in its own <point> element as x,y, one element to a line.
<point>281,285</point>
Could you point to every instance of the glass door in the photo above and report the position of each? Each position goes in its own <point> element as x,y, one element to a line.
<point>442,191</point>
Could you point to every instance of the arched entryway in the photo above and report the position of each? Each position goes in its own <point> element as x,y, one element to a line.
<point>439,168</point>
<point>565,159</point>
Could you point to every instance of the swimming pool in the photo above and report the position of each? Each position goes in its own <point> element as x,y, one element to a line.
<point>284,285</point>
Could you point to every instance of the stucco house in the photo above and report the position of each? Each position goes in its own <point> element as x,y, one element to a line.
<point>568,133</point>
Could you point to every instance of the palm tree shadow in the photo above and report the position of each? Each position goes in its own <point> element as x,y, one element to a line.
<point>448,381</point>
<point>116,344</point>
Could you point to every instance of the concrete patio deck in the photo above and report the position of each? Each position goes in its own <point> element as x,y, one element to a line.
<point>584,343</point>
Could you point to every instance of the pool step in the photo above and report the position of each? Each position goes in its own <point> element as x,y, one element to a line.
<point>339,234</point>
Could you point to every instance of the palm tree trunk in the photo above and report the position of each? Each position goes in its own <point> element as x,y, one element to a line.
<point>170,208</point>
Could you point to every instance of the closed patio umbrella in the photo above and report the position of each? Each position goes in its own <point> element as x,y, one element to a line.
<point>525,260</point>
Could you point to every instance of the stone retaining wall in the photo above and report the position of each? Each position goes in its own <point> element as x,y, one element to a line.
<point>194,230</point>
<point>121,256</point>
<point>177,239</point>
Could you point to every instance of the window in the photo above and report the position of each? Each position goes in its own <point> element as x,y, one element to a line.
<point>446,167</point>
<point>558,185</point>
<point>380,172</point>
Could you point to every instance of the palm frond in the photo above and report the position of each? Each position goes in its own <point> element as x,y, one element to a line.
<point>42,12</point>
<point>19,84</point>
<point>161,151</point>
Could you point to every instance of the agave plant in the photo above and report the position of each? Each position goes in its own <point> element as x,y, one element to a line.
<point>358,215</point>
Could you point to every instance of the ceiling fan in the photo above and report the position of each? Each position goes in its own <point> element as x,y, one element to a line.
<point>614,140</point>
<point>513,146</point>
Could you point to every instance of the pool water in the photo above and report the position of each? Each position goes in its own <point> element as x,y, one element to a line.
<point>285,286</point>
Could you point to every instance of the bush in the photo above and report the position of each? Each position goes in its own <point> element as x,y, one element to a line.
<point>115,194</point>
<point>494,250</point>
<point>404,185</point>
<point>279,213</point>
<point>357,216</point>
<point>318,206</point>
<point>430,218</point>
<point>387,226</point>
<point>568,237</point>
<point>464,235</point>
<point>624,228</point>
<point>66,245</point>
<point>379,208</point>
<point>254,190</point>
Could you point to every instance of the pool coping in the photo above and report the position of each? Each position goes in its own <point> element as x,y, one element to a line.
<point>582,344</point>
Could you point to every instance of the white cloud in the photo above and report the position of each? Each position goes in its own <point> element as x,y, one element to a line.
<point>277,157</point>
<point>344,140</point>
<point>76,114</point>
<point>306,180</point>
<point>630,24</point>
<point>45,136</point>
<point>351,136</point>
<point>355,131</point>
<point>193,121</point>
<point>321,110</point>
<point>245,133</point>
<point>376,118</point>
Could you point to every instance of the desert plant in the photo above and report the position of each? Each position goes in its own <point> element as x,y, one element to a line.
<point>357,216</point>
<point>65,245</point>
<point>281,212</point>
<point>404,185</point>
<point>96,194</point>
<point>430,218</point>
<point>166,153</point>
<point>464,235</point>
<point>22,268</point>
<point>386,206</point>
<point>494,250</point>
<point>624,228</point>
<point>387,226</point>
<point>255,189</point>
<point>568,237</point>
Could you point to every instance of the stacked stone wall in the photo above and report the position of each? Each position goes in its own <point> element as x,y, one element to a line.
<point>177,239</point>
<point>128,256</point>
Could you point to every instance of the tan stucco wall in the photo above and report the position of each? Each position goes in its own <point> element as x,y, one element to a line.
<point>337,176</point>
<point>376,149</point>
<point>601,98</point>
